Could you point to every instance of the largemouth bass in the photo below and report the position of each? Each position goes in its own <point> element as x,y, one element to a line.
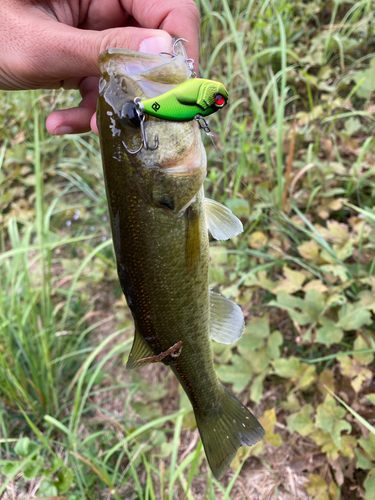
<point>160,221</point>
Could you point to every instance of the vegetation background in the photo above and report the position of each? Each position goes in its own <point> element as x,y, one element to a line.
<point>293,155</point>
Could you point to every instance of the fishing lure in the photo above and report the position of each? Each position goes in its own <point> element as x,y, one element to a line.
<point>183,103</point>
<point>191,100</point>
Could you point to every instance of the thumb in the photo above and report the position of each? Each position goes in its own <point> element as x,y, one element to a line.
<point>63,52</point>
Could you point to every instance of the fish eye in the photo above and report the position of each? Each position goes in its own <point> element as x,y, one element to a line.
<point>129,115</point>
<point>219,100</point>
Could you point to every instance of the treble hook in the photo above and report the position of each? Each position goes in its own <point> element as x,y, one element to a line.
<point>173,53</point>
<point>189,62</point>
<point>144,142</point>
<point>203,124</point>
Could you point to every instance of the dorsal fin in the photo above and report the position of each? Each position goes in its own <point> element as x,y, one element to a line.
<point>221,222</point>
<point>226,319</point>
<point>140,350</point>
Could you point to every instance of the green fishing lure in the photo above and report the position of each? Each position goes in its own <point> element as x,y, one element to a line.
<point>189,99</point>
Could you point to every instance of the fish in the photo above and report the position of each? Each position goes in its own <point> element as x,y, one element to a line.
<point>160,221</point>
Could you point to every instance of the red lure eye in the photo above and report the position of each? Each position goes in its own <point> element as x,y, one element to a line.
<point>219,100</point>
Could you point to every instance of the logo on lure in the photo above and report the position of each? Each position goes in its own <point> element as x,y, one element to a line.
<point>189,99</point>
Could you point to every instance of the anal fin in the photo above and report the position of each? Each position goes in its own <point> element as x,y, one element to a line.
<point>221,222</point>
<point>139,351</point>
<point>227,323</point>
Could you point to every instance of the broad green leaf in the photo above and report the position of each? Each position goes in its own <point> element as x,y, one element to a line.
<point>47,488</point>
<point>363,462</point>
<point>65,479</point>
<point>345,251</point>
<point>291,404</point>
<point>309,250</point>
<point>317,487</point>
<point>239,207</point>
<point>336,299</point>
<point>366,79</point>
<point>239,373</point>
<point>9,468</point>
<point>258,327</point>
<point>349,443</point>
<point>314,304</point>
<point>315,285</point>
<point>354,370</point>
<point>352,125</point>
<point>260,360</point>
<point>255,332</point>
<point>327,445</point>
<point>256,389</point>
<point>217,276</point>
<point>329,333</point>
<point>368,445</point>
<point>326,380</point>
<point>367,300</point>
<point>273,346</point>
<point>308,376</point>
<point>301,422</point>
<point>147,411</point>
<point>25,446</point>
<point>287,368</point>
<point>292,282</point>
<point>337,232</point>
<point>293,305</point>
<point>301,374</point>
<point>219,255</point>
<point>268,421</point>
<point>336,270</point>
<point>265,282</point>
<point>364,359</point>
<point>352,317</point>
<point>329,418</point>
<point>257,240</point>
<point>56,464</point>
<point>369,485</point>
<point>248,344</point>
<point>31,470</point>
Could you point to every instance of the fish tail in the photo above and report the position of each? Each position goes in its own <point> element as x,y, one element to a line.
<point>224,428</point>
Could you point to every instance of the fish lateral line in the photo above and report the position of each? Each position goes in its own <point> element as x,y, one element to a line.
<point>173,351</point>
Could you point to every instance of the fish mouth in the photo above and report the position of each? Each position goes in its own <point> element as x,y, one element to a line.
<point>127,75</point>
<point>155,74</point>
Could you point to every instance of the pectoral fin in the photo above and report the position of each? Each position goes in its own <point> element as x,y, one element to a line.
<point>226,319</point>
<point>221,222</point>
<point>139,352</point>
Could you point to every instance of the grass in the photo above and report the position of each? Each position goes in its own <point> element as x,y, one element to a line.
<point>293,156</point>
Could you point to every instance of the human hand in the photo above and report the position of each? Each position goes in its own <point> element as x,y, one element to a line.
<point>54,43</point>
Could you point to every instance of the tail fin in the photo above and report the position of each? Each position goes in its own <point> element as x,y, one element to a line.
<point>224,429</point>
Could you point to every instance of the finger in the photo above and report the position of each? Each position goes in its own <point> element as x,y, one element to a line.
<point>63,52</point>
<point>76,120</point>
<point>180,18</point>
<point>94,125</point>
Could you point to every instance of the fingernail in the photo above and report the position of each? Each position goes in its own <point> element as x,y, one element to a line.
<point>155,45</point>
<point>63,129</point>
